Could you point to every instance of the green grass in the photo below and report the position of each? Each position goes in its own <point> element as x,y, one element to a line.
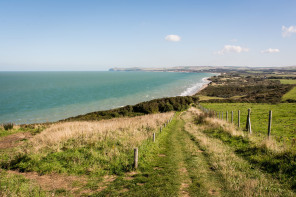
<point>180,162</point>
<point>4,133</point>
<point>17,185</point>
<point>18,129</point>
<point>204,98</point>
<point>95,154</point>
<point>90,159</point>
<point>254,174</point>
<point>288,81</point>
<point>283,117</point>
<point>280,165</point>
<point>156,176</point>
<point>291,95</point>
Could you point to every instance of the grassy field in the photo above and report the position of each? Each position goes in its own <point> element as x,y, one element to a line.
<point>208,157</point>
<point>33,129</point>
<point>288,81</point>
<point>87,147</point>
<point>204,98</point>
<point>283,117</point>
<point>90,151</point>
<point>291,95</point>
<point>187,160</point>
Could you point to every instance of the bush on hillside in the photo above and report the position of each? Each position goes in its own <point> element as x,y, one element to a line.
<point>8,126</point>
<point>162,105</point>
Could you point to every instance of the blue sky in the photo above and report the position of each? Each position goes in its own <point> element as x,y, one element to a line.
<point>100,34</point>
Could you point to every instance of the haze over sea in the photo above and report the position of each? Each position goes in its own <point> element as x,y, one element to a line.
<point>34,97</point>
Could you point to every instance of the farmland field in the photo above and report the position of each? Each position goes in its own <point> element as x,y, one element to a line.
<point>290,95</point>
<point>288,81</point>
<point>283,120</point>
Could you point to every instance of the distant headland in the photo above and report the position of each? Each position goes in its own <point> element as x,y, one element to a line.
<point>215,69</point>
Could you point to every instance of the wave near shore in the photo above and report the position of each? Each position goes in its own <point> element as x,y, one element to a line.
<point>196,87</point>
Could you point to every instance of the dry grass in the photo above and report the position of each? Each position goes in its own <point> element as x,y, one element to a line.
<point>228,127</point>
<point>271,145</point>
<point>130,131</point>
<point>215,122</point>
<point>232,129</point>
<point>194,111</point>
<point>236,172</point>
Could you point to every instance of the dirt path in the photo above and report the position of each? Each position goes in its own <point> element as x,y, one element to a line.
<point>184,161</point>
<point>13,140</point>
<point>70,185</point>
<point>52,182</point>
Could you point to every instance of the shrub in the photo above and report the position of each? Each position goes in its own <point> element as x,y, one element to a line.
<point>161,105</point>
<point>200,119</point>
<point>8,126</point>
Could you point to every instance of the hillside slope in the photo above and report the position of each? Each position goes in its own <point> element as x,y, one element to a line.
<point>194,155</point>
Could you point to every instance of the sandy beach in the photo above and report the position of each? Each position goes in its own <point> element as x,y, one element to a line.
<point>203,87</point>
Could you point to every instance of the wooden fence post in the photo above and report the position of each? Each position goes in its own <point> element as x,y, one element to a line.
<point>160,128</point>
<point>136,154</point>
<point>226,116</point>
<point>153,137</point>
<point>247,122</point>
<point>231,116</point>
<point>269,123</point>
<point>238,119</point>
<point>248,125</point>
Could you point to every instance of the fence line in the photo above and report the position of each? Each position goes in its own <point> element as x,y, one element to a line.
<point>136,150</point>
<point>269,123</point>
<point>248,122</point>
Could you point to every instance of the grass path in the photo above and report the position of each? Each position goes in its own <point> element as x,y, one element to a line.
<point>177,167</point>
<point>203,180</point>
<point>184,161</point>
<point>159,170</point>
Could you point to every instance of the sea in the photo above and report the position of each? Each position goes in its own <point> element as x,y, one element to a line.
<point>38,97</point>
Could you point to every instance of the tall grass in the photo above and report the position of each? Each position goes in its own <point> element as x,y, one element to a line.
<point>238,158</point>
<point>131,131</point>
<point>266,154</point>
<point>283,118</point>
<point>87,147</point>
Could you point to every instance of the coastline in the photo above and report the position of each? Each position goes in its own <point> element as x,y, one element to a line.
<point>196,88</point>
<point>206,84</point>
<point>203,87</point>
<point>193,87</point>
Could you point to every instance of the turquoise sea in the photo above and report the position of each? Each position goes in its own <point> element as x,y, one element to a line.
<point>33,97</point>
